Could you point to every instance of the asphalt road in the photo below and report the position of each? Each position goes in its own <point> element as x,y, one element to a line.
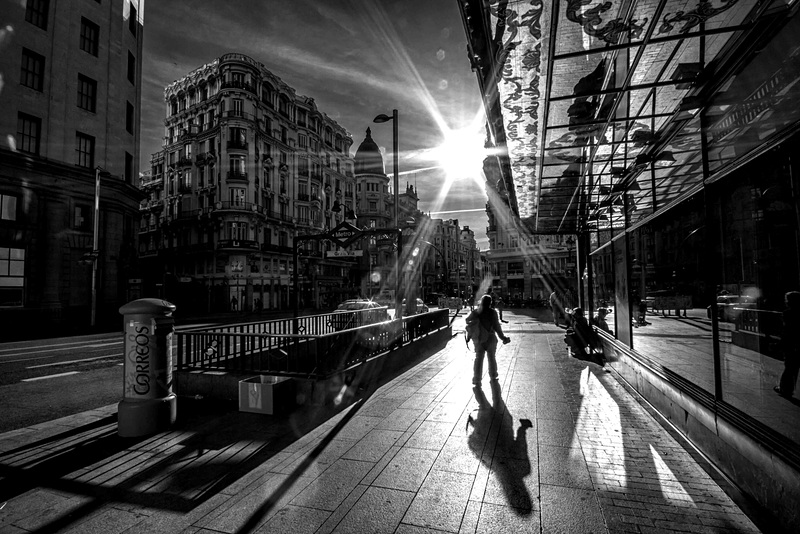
<point>42,380</point>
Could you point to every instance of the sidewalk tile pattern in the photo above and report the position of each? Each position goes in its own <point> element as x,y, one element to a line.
<point>555,446</point>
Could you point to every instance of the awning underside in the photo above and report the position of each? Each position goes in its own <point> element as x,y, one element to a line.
<point>602,102</point>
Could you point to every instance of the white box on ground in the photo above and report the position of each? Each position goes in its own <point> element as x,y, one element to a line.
<point>262,394</point>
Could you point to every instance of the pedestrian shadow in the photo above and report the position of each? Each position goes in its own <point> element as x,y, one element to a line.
<point>503,451</point>
<point>634,459</point>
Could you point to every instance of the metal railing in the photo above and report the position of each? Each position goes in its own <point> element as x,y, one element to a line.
<point>324,345</point>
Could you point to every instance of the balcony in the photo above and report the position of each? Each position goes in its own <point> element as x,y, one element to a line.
<point>304,197</point>
<point>239,206</point>
<point>237,176</point>
<point>236,114</point>
<point>237,145</point>
<point>185,162</point>
<point>269,247</point>
<point>237,244</point>
<point>156,180</point>
<point>184,188</point>
<point>235,84</point>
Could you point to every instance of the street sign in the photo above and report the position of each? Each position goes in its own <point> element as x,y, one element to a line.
<point>345,253</point>
<point>344,233</point>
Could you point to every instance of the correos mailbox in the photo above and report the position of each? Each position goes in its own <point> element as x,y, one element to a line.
<point>148,403</point>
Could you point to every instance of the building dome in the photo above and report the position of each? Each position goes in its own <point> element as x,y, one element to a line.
<point>368,158</point>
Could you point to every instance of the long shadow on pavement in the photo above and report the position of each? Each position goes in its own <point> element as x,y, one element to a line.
<point>507,457</point>
<point>210,447</point>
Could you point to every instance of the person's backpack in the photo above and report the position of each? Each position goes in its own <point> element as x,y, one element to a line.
<point>476,333</point>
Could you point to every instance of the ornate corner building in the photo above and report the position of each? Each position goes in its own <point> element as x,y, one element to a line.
<point>247,164</point>
<point>71,94</point>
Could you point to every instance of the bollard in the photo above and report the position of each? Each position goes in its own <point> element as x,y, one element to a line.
<point>148,403</point>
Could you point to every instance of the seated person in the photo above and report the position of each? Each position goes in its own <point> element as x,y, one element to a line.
<point>599,320</point>
<point>580,337</point>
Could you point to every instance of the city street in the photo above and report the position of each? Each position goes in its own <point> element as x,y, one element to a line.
<point>41,380</point>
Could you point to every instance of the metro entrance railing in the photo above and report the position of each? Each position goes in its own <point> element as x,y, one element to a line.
<point>318,351</point>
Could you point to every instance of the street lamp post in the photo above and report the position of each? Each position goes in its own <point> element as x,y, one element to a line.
<point>395,166</point>
<point>96,240</point>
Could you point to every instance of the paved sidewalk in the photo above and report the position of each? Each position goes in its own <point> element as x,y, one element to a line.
<point>556,445</point>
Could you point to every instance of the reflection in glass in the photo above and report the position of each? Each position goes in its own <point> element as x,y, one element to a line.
<point>667,294</point>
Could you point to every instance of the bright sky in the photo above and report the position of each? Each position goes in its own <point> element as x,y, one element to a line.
<point>357,59</point>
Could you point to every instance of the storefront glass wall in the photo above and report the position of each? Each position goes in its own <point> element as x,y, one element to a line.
<point>730,250</point>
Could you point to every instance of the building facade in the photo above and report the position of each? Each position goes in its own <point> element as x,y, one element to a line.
<point>247,166</point>
<point>438,256</point>
<point>71,96</point>
<point>664,141</point>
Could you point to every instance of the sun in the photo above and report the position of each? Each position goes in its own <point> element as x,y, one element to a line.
<point>461,154</point>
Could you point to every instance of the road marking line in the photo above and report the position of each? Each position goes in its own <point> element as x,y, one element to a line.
<point>99,345</point>
<point>49,376</point>
<point>49,350</point>
<point>64,346</point>
<point>71,361</point>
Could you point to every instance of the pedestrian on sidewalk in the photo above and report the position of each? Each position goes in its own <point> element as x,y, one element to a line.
<point>483,327</point>
<point>556,306</point>
<point>790,345</point>
<point>499,304</point>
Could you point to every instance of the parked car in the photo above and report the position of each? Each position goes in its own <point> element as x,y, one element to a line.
<point>384,299</point>
<point>373,313</point>
<point>421,306</point>
<point>729,306</point>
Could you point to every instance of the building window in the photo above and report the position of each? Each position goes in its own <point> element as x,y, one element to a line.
<point>131,68</point>
<point>82,218</point>
<point>8,208</point>
<point>12,276</point>
<point>129,114</point>
<point>237,231</point>
<point>36,12</point>
<point>238,196</point>
<point>28,133</point>
<point>84,150</point>
<point>32,73</point>
<point>237,166</point>
<point>238,107</point>
<point>302,141</point>
<point>132,20</point>
<point>128,168</point>
<point>90,36</point>
<point>87,93</point>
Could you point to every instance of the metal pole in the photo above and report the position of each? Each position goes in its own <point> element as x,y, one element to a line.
<point>95,239</point>
<point>395,161</point>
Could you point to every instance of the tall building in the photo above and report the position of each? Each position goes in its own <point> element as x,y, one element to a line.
<point>247,166</point>
<point>71,93</point>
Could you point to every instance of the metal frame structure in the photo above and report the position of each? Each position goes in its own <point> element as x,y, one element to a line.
<point>357,233</point>
<point>600,105</point>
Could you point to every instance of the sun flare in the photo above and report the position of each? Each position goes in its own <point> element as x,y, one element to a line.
<point>461,154</point>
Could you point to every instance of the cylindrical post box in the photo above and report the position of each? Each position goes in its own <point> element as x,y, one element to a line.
<point>148,403</point>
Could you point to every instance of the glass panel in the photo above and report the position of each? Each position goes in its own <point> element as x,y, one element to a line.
<point>667,284</point>
<point>757,218</point>
<point>760,102</point>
